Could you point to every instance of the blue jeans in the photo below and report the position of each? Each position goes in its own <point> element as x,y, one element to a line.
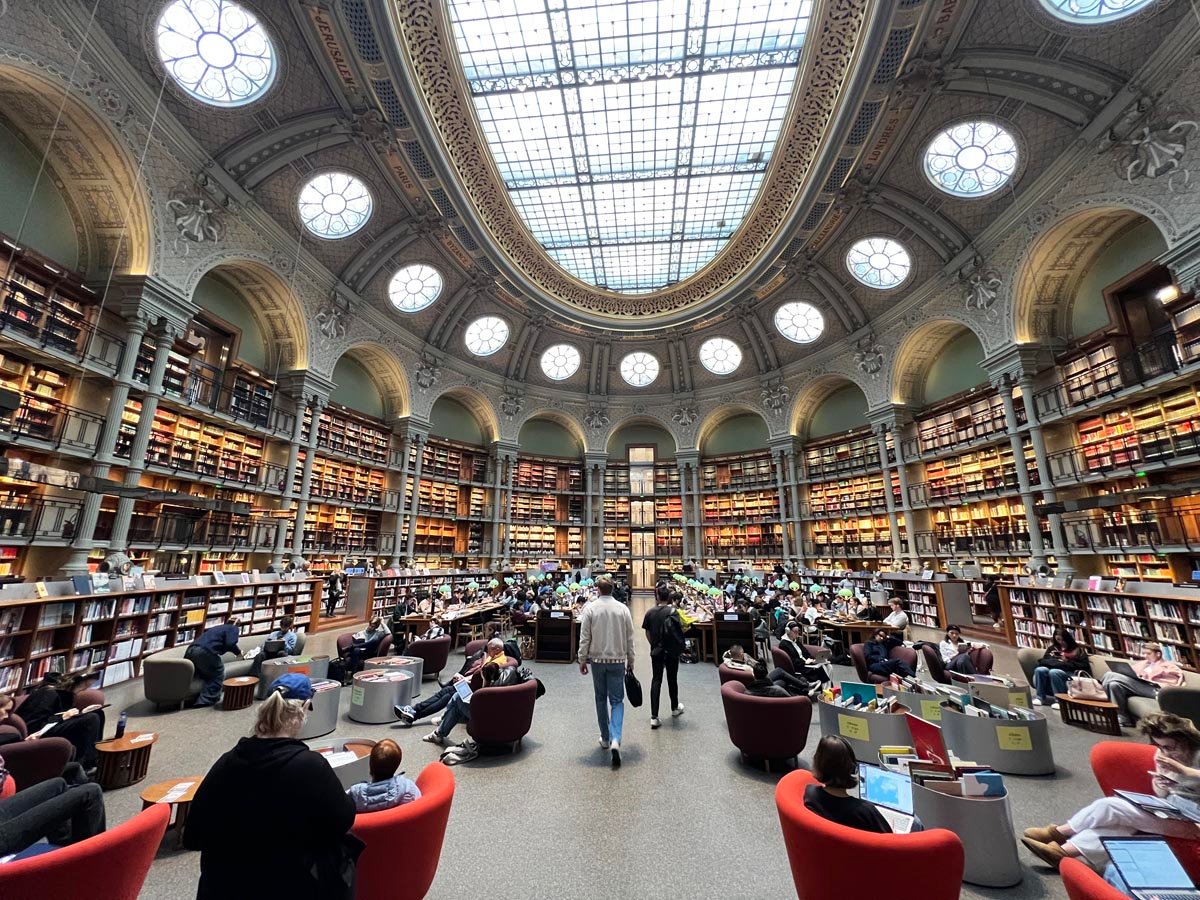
<point>456,711</point>
<point>608,680</point>
<point>1048,682</point>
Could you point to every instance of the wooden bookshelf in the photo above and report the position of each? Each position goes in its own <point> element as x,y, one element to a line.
<point>853,495</point>
<point>341,430</point>
<point>43,302</point>
<point>1155,429</point>
<point>547,475</point>
<point>990,470</point>
<point>853,537</point>
<point>182,443</point>
<point>452,462</point>
<point>736,473</point>
<point>853,452</point>
<point>348,482</point>
<point>962,419</point>
<point>342,529</point>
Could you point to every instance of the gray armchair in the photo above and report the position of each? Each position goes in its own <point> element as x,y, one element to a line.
<point>1182,701</point>
<point>170,680</point>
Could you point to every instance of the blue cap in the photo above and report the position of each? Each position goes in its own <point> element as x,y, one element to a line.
<point>293,686</point>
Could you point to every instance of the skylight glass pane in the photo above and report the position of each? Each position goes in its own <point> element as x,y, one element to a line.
<point>633,135</point>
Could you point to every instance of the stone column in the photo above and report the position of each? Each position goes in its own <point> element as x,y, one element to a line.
<point>1046,482</point>
<point>595,461</point>
<point>890,501</point>
<point>315,406</point>
<point>905,500</point>
<point>794,480</point>
<point>402,506</point>
<point>1037,550</point>
<point>780,479</point>
<point>417,441</point>
<point>698,512</point>
<point>289,480</point>
<point>587,512</point>
<point>510,459</point>
<point>683,510</point>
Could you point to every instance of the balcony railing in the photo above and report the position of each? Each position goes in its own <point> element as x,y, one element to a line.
<point>1127,453</point>
<point>223,394</point>
<point>1146,530</point>
<point>42,518</point>
<point>63,426</point>
<point>1148,360</point>
<point>159,530</point>
<point>982,541</point>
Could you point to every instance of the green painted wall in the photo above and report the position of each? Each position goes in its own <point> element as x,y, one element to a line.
<point>739,434</point>
<point>49,228</point>
<point>842,410</point>
<point>956,368</point>
<point>355,388</point>
<point>220,299</point>
<point>451,420</point>
<point>641,434</point>
<point>1135,247</point>
<point>545,438</point>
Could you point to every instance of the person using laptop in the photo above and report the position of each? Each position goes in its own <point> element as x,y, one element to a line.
<point>835,767</point>
<point>1144,678</point>
<point>280,642</point>
<point>1176,775</point>
<point>459,708</point>
<point>804,666</point>
<point>493,652</point>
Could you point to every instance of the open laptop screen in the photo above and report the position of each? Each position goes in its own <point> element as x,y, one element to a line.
<point>1146,863</point>
<point>885,788</point>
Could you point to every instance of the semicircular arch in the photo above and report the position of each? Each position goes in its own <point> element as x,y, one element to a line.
<point>477,403</point>
<point>386,373</point>
<point>918,351</point>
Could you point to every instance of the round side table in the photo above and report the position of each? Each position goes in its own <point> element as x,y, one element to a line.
<point>1099,716</point>
<point>177,793</point>
<point>124,760</point>
<point>239,692</point>
<point>412,664</point>
<point>376,691</point>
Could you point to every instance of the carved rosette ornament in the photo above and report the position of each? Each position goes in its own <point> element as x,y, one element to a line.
<point>775,397</point>
<point>511,404</point>
<point>428,373</point>
<point>596,418</point>
<point>685,415</point>
<point>868,355</point>
<point>1151,143</point>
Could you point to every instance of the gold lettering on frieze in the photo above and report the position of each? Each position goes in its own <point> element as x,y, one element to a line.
<point>459,253</point>
<point>885,139</point>
<point>333,47</point>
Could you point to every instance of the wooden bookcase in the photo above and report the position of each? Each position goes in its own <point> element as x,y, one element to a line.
<point>853,452</point>
<point>962,419</point>
<point>43,301</point>
<point>853,495</point>
<point>185,444</point>
<point>347,482</point>
<point>737,473</point>
<point>341,430</point>
<point>379,593</point>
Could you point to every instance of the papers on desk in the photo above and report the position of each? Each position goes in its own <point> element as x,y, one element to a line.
<point>340,757</point>
<point>178,791</point>
<point>142,738</point>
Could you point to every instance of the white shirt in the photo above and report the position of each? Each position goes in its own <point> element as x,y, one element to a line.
<point>897,619</point>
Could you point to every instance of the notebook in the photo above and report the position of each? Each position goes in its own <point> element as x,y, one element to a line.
<point>927,739</point>
<point>1147,868</point>
<point>891,792</point>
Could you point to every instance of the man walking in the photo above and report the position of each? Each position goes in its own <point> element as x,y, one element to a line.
<point>664,631</point>
<point>606,641</point>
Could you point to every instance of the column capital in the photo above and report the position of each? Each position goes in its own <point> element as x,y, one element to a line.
<point>596,459</point>
<point>306,385</point>
<point>505,449</point>
<point>150,299</point>
<point>890,416</point>
<point>788,443</point>
<point>1016,361</point>
<point>409,428</point>
<point>687,458</point>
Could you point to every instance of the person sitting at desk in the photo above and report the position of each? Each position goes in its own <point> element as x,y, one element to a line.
<point>1154,673</point>
<point>954,652</point>
<point>205,652</point>
<point>836,768</point>
<point>286,635</point>
<point>1064,658</point>
<point>897,618</point>
<point>400,637</point>
<point>876,653</point>
<point>388,787</point>
<point>53,700</point>
<point>805,666</point>
<point>50,809</point>
<point>1176,774</point>
<point>492,653</point>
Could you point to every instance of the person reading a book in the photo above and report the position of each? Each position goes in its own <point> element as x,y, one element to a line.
<point>50,710</point>
<point>954,652</point>
<point>1176,777</point>
<point>388,787</point>
<point>365,644</point>
<point>282,642</point>
<point>205,653</point>
<point>1064,658</point>
<point>836,768</point>
<point>493,652</point>
<point>1153,673</point>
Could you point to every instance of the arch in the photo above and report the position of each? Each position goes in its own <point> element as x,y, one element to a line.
<point>649,419</point>
<point>1055,264</point>
<point>273,304</point>
<point>386,373</point>
<point>722,415</point>
<point>89,163</point>
<point>810,397</point>
<point>563,419</point>
<point>479,406</point>
<point>916,354</point>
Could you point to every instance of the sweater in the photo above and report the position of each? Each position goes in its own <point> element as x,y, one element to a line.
<point>220,640</point>
<point>373,796</point>
<point>606,632</point>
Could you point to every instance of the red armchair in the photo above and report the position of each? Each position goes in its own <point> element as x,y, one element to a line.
<point>782,660</point>
<point>109,866</point>
<point>502,716</point>
<point>906,654</point>
<point>745,676</point>
<point>32,762</point>
<point>825,856</point>
<point>766,728</point>
<point>1082,882</point>
<point>9,787</point>
<point>435,652</point>
<point>1127,766</point>
<point>404,844</point>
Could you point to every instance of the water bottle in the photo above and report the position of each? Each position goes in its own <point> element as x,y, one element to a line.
<point>121,726</point>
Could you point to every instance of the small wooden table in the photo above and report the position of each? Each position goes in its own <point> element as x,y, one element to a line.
<point>124,760</point>
<point>239,692</point>
<point>177,793</point>
<point>1099,716</point>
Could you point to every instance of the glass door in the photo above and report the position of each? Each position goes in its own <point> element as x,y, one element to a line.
<point>643,565</point>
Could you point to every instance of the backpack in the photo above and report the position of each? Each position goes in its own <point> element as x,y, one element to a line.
<point>670,636</point>
<point>513,650</point>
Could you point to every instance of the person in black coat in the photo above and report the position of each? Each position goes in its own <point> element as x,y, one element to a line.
<point>53,700</point>
<point>270,818</point>
<point>876,651</point>
<point>205,652</point>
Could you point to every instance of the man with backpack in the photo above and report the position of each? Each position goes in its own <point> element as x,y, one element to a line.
<point>664,631</point>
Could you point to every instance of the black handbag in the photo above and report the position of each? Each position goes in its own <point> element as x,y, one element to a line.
<point>633,689</point>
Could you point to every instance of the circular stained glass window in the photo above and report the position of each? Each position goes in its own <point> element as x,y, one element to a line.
<point>640,368</point>
<point>218,52</point>
<point>415,287</point>
<point>560,361</point>
<point>720,355</point>
<point>879,262</point>
<point>799,322</point>
<point>486,335</point>
<point>335,205</point>
<point>972,159</point>
<point>1094,11</point>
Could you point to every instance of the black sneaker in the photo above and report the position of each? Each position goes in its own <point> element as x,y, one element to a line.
<point>616,756</point>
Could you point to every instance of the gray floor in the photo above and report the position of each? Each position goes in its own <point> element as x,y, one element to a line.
<point>555,821</point>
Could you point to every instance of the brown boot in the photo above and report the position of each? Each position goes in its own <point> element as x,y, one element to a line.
<point>1050,854</point>
<point>1047,835</point>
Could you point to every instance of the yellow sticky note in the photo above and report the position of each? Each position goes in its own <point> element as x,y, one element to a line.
<point>356,695</point>
<point>854,728</point>
<point>1013,737</point>
<point>1017,698</point>
<point>931,710</point>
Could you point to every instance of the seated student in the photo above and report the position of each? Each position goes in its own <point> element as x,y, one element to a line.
<point>954,652</point>
<point>52,810</point>
<point>897,618</point>
<point>492,653</point>
<point>804,665</point>
<point>53,700</point>
<point>835,767</point>
<point>1154,673</point>
<point>876,653</point>
<point>366,644</point>
<point>1176,773</point>
<point>285,633</point>
<point>388,787</point>
<point>1064,658</point>
<point>302,854</point>
<point>434,631</point>
<point>735,657</point>
<point>459,710</point>
<point>205,653</point>
<point>762,685</point>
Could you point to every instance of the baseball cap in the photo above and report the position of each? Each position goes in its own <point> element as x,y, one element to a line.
<point>293,686</point>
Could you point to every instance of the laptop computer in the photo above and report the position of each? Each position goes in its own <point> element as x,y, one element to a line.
<point>463,689</point>
<point>1147,868</point>
<point>1123,668</point>
<point>891,792</point>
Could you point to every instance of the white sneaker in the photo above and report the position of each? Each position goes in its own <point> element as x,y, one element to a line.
<point>655,722</point>
<point>1055,705</point>
<point>677,711</point>
<point>1037,701</point>
<point>435,721</point>
<point>605,744</point>
<point>434,738</point>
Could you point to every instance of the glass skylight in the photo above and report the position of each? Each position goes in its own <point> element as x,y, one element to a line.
<point>639,368</point>
<point>560,361</point>
<point>971,159</point>
<point>218,52</point>
<point>415,287</point>
<point>1094,11</point>
<point>879,262</point>
<point>335,205</point>
<point>799,322</point>
<point>486,335</point>
<point>632,136</point>
<point>721,356</point>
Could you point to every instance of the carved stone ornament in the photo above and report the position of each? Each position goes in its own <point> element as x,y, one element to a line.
<point>371,125</point>
<point>511,404</point>
<point>596,418</point>
<point>428,373</point>
<point>983,289</point>
<point>1153,146</point>
<point>868,355</point>
<point>685,415</point>
<point>331,319</point>
<point>196,219</point>
<point>775,397</point>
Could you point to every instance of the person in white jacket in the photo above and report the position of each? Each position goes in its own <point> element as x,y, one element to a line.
<point>606,642</point>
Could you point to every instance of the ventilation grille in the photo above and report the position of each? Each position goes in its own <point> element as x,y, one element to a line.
<point>815,217</point>
<point>893,55</point>
<point>464,238</point>
<point>487,266</point>
<point>390,103</point>
<point>794,247</point>
<point>420,162</point>
<point>840,170</point>
<point>862,125</point>
<point>360,27</point>
<point>442,201</point>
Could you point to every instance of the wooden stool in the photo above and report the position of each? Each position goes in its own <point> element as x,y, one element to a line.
<point>239,692</point>
<point>177,793</point>
<point>469,632</point>
<point>124,760</point>
<point>1099,716</point>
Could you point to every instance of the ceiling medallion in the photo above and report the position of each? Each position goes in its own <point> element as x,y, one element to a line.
<point>829,59</point>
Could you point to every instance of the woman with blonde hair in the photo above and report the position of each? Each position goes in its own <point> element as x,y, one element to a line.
<point>303,850</point>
